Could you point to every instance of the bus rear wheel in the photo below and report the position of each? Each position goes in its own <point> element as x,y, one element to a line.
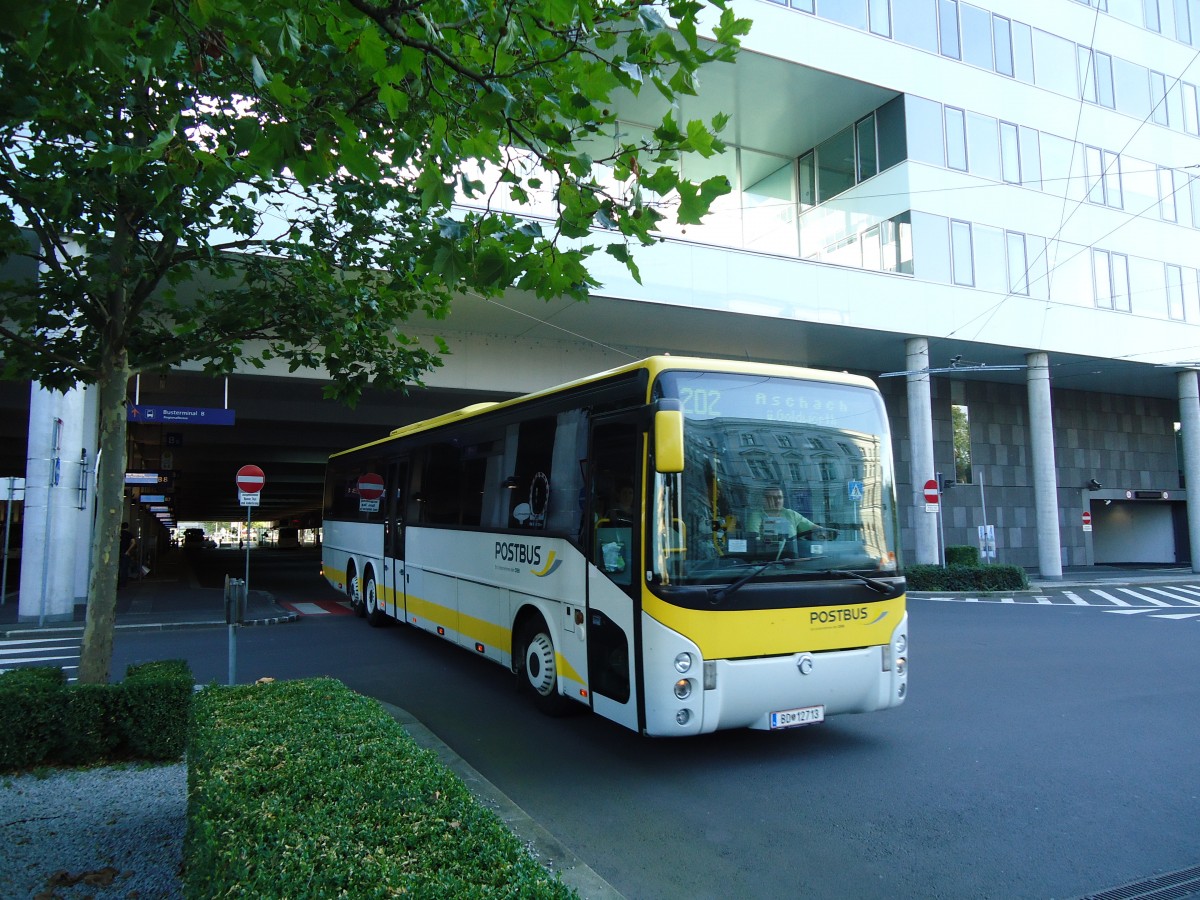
<point>537,670</point>
<point>375,615</point>
<point>354,594</point>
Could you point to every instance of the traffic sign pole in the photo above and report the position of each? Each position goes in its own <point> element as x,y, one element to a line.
<point>249,480</point>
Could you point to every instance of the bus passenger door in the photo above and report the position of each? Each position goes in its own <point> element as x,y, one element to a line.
<point>393,538</point>
<point>614,548</point>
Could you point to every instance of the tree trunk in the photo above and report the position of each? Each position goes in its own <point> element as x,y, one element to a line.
<point>95,658</point>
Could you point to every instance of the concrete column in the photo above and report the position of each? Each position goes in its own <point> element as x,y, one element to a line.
<point>920,438</point>
<point>56,529</point>
<point>1045,481</point>
<point>1189,424</point>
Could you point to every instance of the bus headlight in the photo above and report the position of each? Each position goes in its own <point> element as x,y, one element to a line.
<point>901,666</point>
<point>683,716</point>
<point>683,662</point>
<point>901,643</point>
<point>683,688</point>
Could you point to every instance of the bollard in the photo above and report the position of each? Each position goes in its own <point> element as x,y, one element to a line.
<point>235,614</point>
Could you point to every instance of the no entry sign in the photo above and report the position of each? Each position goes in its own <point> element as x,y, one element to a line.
<point>931,496</point>
<point>370,486</point>
<point>370,489</point>
<point>250,479</point>
<point>1087,521</point>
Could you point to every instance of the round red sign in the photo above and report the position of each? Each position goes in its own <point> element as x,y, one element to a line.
<point>931,491</point>
<point>1087,518</point>
<point>370,486</point>
<point>250,479</point>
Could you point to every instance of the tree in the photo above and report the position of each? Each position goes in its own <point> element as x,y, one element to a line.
<point>227,182</point>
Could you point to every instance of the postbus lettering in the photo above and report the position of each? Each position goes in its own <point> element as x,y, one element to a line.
<point>833,616</point>
<point>513,551</point>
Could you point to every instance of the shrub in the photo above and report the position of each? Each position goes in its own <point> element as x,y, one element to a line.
<point>962,555</point>
<point>966,578</point>
<point>159,695</point>
<point>43,720</point>
<point>31,714</point>
<point>304,788</point>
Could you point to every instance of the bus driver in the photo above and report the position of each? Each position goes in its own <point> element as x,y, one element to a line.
<point>775,522</point>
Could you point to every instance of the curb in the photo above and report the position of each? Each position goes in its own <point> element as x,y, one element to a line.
<point>27,632</point>
<point>542,845</point>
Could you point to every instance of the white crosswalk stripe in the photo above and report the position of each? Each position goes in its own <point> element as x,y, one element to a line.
<point>1142,601</point>
<point>60,652</point>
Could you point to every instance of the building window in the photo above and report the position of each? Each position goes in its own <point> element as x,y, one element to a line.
<point>960,419</point>
<point>1094,173</point>
<point>866,148</point>
<point>808,181</point>
<point>1150,12</point>
<point>1191,124</point>
<point>977,37</point>
<point>1010,153</point>
<point>961,261</point>
<point>956,139</point>
<point>1002,45</point>
<point>835,165</point>
<point>1018,263</point>
<point>1175,292</point>
<point>748,439</point>
<point>1102,171</point>
<point>1111,280</point>
<point>1113,196</point>
<point>1183,22</point>
<point>1166,194</point>
<point>948,28</point>
<point>880,19</point>
<point>1158,98</point>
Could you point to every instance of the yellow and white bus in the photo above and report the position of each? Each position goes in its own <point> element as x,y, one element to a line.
<point>680,545</point>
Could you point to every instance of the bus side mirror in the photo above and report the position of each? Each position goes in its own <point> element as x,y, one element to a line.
<point>668,437</point>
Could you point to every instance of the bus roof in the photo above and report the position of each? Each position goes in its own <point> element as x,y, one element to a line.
<point>653,365</point>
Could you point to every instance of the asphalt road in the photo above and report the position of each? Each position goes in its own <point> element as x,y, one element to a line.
<point>1045,751</point>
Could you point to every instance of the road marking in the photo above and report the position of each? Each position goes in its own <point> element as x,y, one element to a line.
<point>1143,597</point>
<point>1044,600</point>
<point>317,608</point>
<point>39,659</point>
<point>1173,596</point>
<point>1195,615</point>
<point>1115,601</point>
<point>1076,599</point>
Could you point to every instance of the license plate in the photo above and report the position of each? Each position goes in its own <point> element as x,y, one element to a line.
<point>793,718</point>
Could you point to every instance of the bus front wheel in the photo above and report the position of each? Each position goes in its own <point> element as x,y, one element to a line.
<point>375,615</point>
<point>538,670</point>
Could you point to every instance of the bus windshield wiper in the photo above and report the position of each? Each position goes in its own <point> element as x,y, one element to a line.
<point>718,597</point>
<point>873,583</point>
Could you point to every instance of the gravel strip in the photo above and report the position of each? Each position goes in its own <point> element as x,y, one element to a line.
<point>103,833</point>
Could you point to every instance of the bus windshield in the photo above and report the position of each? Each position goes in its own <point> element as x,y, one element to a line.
<point>788,476</point>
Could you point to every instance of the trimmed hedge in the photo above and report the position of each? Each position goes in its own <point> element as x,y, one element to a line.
<point>966,578</point>
<point>306,789</point>
<point>962,555</point>
<point>45,721</point>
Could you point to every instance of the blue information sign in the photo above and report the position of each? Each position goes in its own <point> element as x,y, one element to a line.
<point>188,415</point>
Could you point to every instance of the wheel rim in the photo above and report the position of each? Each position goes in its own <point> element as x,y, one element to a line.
<point>539,664</point>
<point>352,590</point>
<point>371,600</point>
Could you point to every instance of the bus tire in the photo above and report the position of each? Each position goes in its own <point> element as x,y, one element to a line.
<point>375,615</point>
<point>354,593</point>
<point>537,669</point>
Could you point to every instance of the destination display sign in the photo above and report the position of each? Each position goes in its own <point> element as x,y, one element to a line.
<point>189,415</point>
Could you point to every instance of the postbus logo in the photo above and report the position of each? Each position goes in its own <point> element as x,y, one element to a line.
<point>527,555</point>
